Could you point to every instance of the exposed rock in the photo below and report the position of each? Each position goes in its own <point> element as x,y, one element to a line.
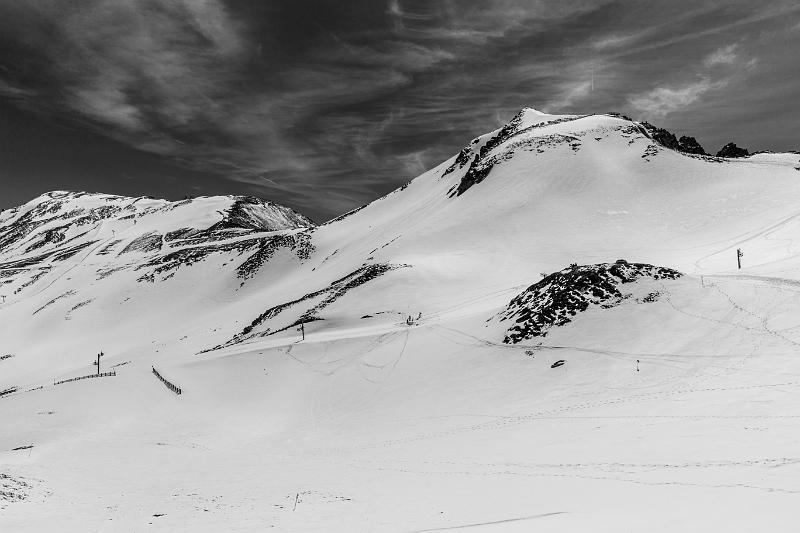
<point>149,242</point>
<point>300,243</point>
<point>663,137</point>
<point>481,165</point>
<point>731,150</point>
<point>256,214</point>
<point>12,489</point>
<point>619,115</point>
<point>557,298</point>
<point>688,145</point>
<point>476,173</point>
<point>322,298</point>
<point>262,248</point>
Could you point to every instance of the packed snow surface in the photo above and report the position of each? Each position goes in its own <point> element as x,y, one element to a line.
<point>665,403</point>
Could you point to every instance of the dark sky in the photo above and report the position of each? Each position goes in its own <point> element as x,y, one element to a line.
<point>325,105</point>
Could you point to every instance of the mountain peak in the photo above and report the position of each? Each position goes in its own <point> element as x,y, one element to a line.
<point>66,222</point>
<point>528,116</point>
<point>531,111</point>
<point>249,212</point>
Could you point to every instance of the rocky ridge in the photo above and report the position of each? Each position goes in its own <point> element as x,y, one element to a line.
<point>153,237</point>
<point>559,297</point>
<point>731,150</point>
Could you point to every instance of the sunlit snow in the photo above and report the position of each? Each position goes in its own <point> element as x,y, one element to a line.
<point>402,409</point>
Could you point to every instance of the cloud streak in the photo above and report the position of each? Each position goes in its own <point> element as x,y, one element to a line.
<point>722,56</point>
<point>662,101</point>
<point>325,106</point>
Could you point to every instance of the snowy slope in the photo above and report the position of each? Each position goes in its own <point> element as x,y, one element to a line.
<point>561,189</point>
<point>84,272</point>
<point>675,408</point>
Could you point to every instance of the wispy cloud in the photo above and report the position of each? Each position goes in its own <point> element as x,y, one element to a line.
<point>726,55</point>
<point>158,57</point>
<point>616,40</point>
<point>662,101</point>
<point>9,90</point>
<point>325,105</point>
<point>571,94</point>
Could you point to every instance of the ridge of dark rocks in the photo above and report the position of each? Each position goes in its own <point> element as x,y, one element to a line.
<point>667,139</point>
<point>730,150</point>
<point>559,297</point>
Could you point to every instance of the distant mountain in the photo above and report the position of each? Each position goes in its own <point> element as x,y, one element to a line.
<point>70,252</point>
<point>538,193</point>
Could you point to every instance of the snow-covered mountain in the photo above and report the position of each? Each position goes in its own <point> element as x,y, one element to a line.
<point>419,393</point>
<point>83,272</point>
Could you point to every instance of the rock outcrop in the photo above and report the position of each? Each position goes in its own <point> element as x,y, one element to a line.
<point>731,150</point>
<point>685,144</point>
<point>557,298</point>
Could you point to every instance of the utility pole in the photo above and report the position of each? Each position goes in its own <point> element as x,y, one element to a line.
<point>98,361</point>
<point>303,330</point>
<point>739,255</point>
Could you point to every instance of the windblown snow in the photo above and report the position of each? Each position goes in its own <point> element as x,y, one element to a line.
<point>465,352</point>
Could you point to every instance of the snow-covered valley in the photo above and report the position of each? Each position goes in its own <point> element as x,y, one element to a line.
<point>424,392</point>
